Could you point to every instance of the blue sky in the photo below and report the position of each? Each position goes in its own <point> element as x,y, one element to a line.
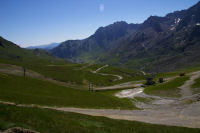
<point>35,22</point>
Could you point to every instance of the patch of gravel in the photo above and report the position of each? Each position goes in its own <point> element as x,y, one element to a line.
<point>18,130</point>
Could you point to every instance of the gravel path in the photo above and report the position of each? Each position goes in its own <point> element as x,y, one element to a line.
<point>120,86</point>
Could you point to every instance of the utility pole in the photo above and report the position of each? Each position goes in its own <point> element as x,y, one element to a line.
<point>24,72</point>
<point>89,85</point>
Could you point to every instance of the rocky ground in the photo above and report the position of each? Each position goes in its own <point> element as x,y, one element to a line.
<point>18,130</point>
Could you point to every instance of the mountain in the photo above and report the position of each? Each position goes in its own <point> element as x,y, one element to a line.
<point>159,44</point>
<point>104,39</point>
<point>45,47</point>
<point>163,43</point>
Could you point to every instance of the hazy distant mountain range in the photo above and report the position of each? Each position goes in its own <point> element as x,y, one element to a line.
<point>46,46</point>
<point>158,44</point>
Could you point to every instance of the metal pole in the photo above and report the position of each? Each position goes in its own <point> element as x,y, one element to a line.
<point>89,86</point>
<point>92,86</point>
<point>24,72</point>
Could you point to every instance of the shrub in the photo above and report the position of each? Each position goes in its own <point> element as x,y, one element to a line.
<point>150,81</point>
<point>161,80</point>
<point>182,74</point>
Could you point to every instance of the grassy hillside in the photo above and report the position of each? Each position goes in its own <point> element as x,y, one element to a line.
<point>49,121</point>
<point>50,66</point>
<point>32,91</point>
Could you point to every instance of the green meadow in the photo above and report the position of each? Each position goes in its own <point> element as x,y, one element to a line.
<point>33,91</point>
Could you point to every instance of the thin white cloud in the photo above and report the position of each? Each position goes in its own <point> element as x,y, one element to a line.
<point>101,7</point>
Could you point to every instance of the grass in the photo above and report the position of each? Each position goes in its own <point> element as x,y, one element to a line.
<point>50,121</point>
<point>196,86</point>
<point>66,72</point>
<point>79,74</point>
<point>177,72</point>
<point>128,75</point>
<point>34,91</point>
<point>168,89</point>
<point>74,74</point>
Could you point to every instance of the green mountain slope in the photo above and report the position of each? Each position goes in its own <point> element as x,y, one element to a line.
<point>56,68</point>
<point>12,53</point>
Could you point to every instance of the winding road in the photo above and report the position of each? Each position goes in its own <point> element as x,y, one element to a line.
<point>105,74</point>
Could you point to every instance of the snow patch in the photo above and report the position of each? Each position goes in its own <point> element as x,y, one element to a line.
<point>177,20</point>
<point>198,24</point>
<point>173,28</point>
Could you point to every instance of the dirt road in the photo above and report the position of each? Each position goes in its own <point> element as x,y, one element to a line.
<point>127,85</point>
<point>105,74</point>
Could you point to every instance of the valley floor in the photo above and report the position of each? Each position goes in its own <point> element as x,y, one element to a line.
<point>181,111</point>
<point>161,110</point>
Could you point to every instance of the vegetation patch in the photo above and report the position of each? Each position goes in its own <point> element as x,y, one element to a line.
<point>196,86</point>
